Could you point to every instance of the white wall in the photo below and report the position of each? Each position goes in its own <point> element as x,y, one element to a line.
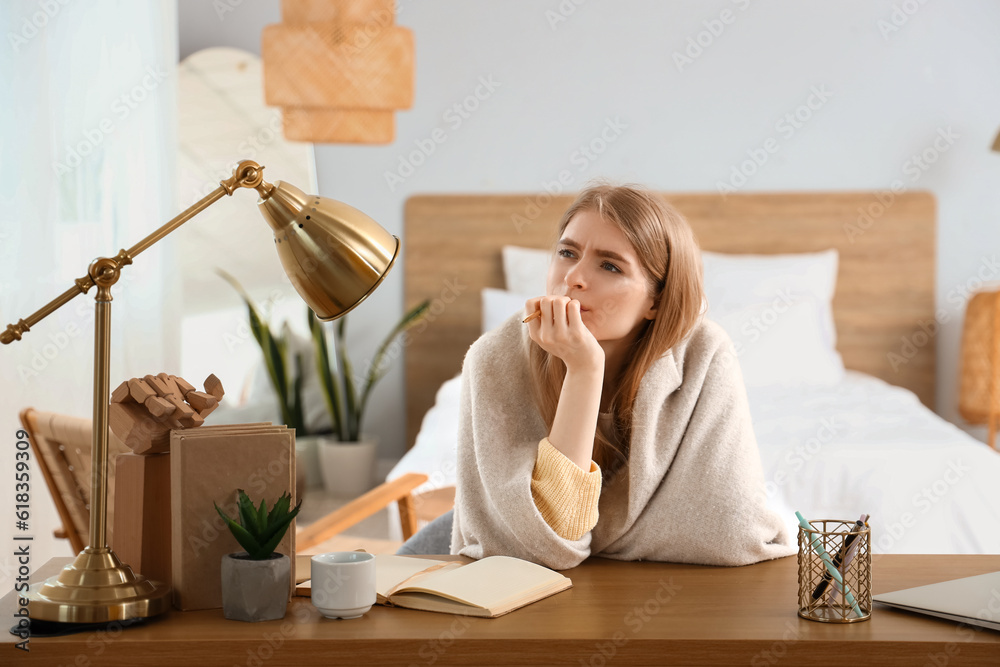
<point>565,70</point>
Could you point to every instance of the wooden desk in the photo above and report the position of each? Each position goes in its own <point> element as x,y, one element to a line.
<point>617,613</point>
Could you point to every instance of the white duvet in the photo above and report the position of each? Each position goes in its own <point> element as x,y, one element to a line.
<point>833,452</point>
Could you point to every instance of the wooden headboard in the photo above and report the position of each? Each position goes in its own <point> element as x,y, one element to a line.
<point>885,284</point>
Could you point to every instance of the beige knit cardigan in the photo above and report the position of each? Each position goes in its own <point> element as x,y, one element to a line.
<point>692,491</point>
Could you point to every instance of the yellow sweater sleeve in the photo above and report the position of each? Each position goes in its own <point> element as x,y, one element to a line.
<point>566,496</point>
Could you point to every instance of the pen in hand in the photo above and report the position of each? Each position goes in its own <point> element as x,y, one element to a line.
<point>534,316</point>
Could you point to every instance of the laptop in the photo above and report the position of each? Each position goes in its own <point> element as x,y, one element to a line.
<point>972,600</point>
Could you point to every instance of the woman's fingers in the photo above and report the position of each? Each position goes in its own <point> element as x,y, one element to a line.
<point>531,307</point>
<point>546,307</point>
<point>573,314</point>
<point>559,317</point>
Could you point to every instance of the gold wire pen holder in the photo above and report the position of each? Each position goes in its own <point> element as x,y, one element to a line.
<point>821,598</point>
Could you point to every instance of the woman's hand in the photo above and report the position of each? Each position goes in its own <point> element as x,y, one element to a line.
<point>560,331</point>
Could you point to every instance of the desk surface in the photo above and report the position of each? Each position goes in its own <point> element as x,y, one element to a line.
<point>626,613</point>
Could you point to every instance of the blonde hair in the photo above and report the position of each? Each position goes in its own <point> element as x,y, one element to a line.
<point>671,261</point>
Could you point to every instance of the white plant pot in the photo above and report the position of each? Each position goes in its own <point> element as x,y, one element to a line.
<point>255,590</point>
<point>347,467</point>
<point>307,459</point>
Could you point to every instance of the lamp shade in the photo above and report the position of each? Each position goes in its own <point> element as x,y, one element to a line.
<point>334,254</point>
<point>979,393</point>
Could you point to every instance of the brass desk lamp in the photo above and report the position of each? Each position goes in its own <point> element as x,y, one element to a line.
<point>334,255</point>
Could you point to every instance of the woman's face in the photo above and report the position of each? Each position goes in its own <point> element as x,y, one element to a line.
<point>596,265</point>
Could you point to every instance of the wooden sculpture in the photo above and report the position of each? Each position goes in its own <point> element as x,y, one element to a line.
<point>144,410</point>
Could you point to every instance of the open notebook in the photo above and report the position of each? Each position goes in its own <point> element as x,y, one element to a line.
<point>489,587</point>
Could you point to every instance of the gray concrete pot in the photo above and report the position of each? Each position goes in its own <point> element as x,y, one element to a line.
<point>255,590</point>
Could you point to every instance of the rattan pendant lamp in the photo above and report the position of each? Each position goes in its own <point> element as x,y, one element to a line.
<point>339,70</point>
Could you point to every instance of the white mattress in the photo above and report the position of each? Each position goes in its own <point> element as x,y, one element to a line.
<point>861,446</point>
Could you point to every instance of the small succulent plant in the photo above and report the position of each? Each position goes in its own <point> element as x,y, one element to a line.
<point>258,530</point>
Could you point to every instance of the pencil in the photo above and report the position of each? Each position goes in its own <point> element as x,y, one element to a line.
<point>534,316</point>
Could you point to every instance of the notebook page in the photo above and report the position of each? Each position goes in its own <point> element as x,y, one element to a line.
<point>391,570</point>
<point>488,582</point>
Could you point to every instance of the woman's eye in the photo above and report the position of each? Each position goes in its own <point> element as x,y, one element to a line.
<point>611,267</point>
<point>563,252</point>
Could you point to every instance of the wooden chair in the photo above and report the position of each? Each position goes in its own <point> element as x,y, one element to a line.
<point>62,446</point>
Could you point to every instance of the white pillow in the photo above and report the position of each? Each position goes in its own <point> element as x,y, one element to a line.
<point>525,270</point>
<point>732,281</point>
<point>781,348</point>
<point>499,305</point>
<point>778,311</point>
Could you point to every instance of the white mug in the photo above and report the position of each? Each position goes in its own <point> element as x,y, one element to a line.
<point>343,583</point>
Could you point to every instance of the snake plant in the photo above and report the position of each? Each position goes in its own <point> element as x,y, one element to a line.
<point>287,385</point>
<point>344,402</point>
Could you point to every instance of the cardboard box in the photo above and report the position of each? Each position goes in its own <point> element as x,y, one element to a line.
<point>208,465</point>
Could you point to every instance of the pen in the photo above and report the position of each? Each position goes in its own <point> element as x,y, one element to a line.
<point>825,557</point>
<point>847,561</point>
<point>841,555</point>
<point>534,316</point>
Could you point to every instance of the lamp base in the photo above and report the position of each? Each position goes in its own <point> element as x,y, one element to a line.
<point>95,588</point>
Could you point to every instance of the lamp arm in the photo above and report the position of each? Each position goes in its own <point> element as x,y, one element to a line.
<point>247,174</point>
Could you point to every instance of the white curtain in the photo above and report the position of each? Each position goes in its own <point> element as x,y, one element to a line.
<point>87,116</point>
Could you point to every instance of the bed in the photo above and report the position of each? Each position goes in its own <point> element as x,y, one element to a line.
<point>865,441</point>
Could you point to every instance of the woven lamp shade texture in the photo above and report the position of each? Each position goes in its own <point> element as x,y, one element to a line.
<point>339,70</point>
<point>980,357</point>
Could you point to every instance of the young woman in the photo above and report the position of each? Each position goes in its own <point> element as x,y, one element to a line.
<point>615,423</point>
